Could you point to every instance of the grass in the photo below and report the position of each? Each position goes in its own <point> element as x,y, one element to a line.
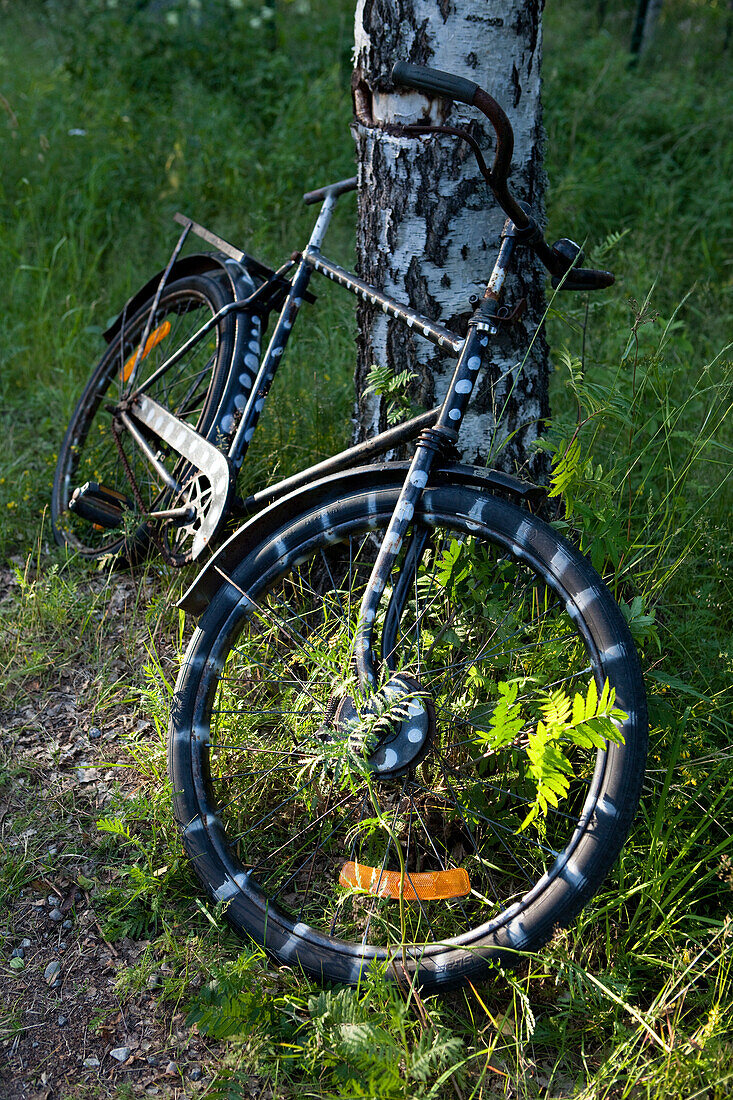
<point>634,999</point>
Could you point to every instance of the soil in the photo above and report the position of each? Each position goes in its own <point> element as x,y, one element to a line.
<point>58,1032</point>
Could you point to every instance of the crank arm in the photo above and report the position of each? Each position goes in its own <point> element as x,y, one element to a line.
<point>183,515</point>
<point>197,451</point>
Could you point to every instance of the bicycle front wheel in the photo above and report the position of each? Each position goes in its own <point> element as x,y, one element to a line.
<point>191,389</point>
<point>434,867</point>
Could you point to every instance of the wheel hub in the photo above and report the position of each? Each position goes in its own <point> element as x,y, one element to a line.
<point>394,731</point>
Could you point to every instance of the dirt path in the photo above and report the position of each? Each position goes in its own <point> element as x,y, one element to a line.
<point>71,1025</point>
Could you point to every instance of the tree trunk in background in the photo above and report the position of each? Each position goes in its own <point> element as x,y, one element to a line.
<point>429,227</point>
<point>645,24</point>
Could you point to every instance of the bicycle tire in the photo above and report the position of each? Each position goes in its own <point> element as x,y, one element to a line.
<point>193,389</point>
<point>255,693</point>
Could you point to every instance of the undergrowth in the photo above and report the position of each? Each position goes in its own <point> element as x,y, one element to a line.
<point>102,145</point>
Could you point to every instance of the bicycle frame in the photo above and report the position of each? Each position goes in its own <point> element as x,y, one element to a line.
<point>436,431</point>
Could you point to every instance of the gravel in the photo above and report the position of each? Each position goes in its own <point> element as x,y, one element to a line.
<point>120,1054</point>
<point>52,971</point>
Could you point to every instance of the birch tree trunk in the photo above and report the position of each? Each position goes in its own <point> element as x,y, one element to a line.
<point>645,24</point>
<point>429,227</point>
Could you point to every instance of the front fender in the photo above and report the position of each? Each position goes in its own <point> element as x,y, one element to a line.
<point>323,492</point>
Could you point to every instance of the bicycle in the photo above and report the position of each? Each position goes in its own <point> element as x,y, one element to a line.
<point>410,728</point>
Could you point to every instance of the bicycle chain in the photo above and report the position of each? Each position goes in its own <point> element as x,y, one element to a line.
<point>152,527</point>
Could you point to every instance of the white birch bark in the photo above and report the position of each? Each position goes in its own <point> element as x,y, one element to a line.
<point>428,225</point>
<point>650,25</point>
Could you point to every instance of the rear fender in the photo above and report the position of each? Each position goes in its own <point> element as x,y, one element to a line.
<point>320,494</point>
<point>241,282</point>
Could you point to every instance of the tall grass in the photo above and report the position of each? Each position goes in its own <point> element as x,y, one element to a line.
<point>105,133</point>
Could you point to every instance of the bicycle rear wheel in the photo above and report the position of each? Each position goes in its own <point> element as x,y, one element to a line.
<point>192,389</point>
<point>430,868</point>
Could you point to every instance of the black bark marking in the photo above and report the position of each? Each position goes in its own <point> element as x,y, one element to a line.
<point>418,294</point>
<point>516,86</point>
<point>446,9</point>
<point>487,20</point>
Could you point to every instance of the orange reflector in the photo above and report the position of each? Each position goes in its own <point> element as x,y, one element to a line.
<point>155,337</point>
<point>418,885</point>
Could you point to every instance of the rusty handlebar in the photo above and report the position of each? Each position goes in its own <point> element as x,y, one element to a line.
<point>558,258</point>
<point>436,82</point>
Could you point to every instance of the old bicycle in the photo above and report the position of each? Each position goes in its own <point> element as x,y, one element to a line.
<point>410,728</point>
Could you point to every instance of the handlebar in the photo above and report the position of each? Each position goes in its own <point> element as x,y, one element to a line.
<point>434,81</point>
<point>557,262</point>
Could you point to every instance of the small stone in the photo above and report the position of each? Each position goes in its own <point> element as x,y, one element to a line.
<point>152,1060</point>
<point>56,915</point>
<point>67,925</point>
<point>120,1054</point>
<point>17,953</point>
<point>52,971</point>
<point>56,984</point>
<point>62,946</point>
<point>94,733</point>
<point>91,1063</point>
<point>171,1069</point>
<point>26,943</point>
<point>52,899</point>
<point>154,981</point>
<point>196,1073</point>
<point>53,851</point>
<point>62,1021</point>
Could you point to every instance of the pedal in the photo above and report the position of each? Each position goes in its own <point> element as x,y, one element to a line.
<point>100,505</point>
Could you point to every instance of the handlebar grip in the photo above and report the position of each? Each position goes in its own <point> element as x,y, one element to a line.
<point>584,278</point>
<point>335,189</point>
<point>434,81</point>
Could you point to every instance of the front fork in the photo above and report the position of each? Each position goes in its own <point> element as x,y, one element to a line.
<point>432,441</point>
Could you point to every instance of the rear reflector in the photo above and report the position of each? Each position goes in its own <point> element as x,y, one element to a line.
<point>155,337</point>
<point>418,885</point>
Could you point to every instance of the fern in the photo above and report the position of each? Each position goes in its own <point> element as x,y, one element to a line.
<point>116,827</point>
<point>585,722</point>
<point>505,720</point>
<point>382,382</point>
<point>607,245</point>
<point>432,1053</point>
<point>235,1001</point>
